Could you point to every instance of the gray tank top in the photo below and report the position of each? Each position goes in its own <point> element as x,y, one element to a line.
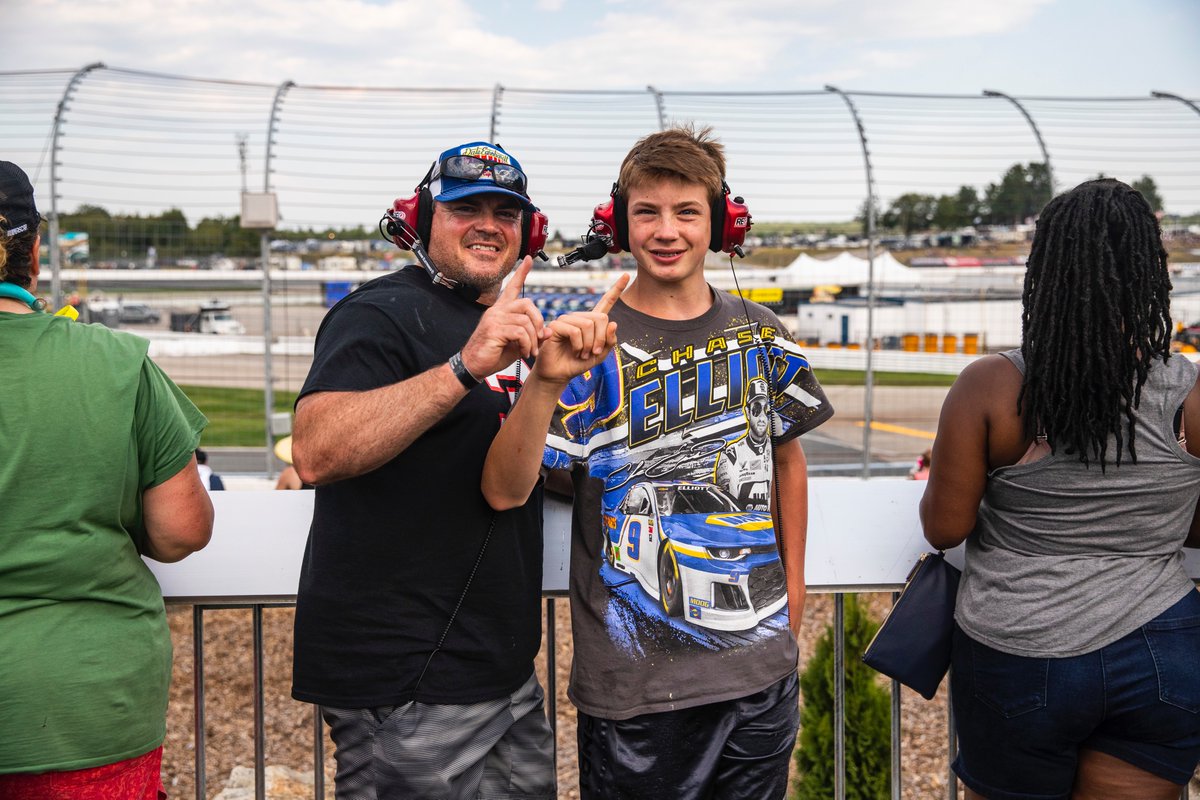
<point>1065,559</point>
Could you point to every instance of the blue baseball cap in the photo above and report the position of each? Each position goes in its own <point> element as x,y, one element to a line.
<point>475,168</point>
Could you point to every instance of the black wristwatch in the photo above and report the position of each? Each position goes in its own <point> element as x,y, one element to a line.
<point>461,372</point>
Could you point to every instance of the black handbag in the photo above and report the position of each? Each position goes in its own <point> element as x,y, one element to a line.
<point>913,643</point>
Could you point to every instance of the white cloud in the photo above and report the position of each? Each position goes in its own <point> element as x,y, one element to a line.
<point>890,59</point>
<point>310,41</point>
<point>672,44</point>
<point>936,19</point>
<point>337,42</point>
<point>846,78</point>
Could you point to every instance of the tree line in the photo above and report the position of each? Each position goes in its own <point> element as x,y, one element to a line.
<point>116,237</point>
<point>1020,195</point>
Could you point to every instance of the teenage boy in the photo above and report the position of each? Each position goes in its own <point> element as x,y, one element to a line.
<point>687,556</point>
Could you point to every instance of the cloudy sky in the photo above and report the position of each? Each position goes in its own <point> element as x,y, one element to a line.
<point>126,132</point>
<point>1026,47</point>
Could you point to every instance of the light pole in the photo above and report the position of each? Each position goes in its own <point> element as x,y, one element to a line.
<point>267,223</point>
<point>1184,100</point>
<point>869,380</point>
<point>839,623</point>
<point>1036,133</point>
<point>53,231</point>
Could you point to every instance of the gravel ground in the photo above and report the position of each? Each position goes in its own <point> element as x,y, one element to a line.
<point>229,707</point>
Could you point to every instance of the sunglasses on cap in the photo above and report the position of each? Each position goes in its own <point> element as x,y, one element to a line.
<point>473,168</point>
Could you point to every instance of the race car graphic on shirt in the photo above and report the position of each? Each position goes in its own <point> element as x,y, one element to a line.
<point>689,546</point>
<point>676,432</point>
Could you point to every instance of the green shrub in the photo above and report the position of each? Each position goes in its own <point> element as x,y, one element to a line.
<point>868,718</point>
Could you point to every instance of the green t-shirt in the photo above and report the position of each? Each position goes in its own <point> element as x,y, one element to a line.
<point>87,423</point>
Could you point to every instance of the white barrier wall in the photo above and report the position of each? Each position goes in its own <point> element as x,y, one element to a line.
<point>862,536</point>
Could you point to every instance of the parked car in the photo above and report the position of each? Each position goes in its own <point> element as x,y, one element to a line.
<point>138,313</point>
<point>214,316</point>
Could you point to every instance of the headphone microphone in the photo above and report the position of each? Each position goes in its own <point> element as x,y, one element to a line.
<point>596,242</point>
<point>395,227</point>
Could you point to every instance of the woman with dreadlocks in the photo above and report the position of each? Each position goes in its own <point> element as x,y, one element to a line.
<point>1076,658</point>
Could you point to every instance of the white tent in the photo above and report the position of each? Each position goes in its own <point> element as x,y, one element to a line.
<point>849,270</point>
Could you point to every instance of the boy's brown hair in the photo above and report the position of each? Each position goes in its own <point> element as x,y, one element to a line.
<point>681,153</point>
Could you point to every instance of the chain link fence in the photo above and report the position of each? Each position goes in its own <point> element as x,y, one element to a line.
<point>151,169</point>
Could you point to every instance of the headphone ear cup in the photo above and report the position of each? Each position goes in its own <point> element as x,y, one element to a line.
<point>423,224</point>
<point>534,233</point>
<point>404,208</point>
<point>730,222</point>
<point>717,233</point>
<point>604,220</point>
<point>737,223</point>
<point>620,220</point>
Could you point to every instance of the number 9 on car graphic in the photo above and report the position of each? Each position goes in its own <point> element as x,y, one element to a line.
<point>689,546</point>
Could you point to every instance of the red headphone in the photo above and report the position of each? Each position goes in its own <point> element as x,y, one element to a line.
<point>417,211</point>
<point>730,222</point>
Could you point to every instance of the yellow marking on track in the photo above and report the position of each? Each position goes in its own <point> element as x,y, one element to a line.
<point>900,429</point>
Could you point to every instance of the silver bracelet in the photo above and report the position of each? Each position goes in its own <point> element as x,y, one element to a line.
<point>461,372</point>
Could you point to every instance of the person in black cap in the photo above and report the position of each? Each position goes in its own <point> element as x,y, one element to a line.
<point>97,469</point>
<point>418,610</point>
<point>211,480</point>
<point>20,234</point>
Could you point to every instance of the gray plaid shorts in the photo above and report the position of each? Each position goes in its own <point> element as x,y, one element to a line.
<point>501,749</point>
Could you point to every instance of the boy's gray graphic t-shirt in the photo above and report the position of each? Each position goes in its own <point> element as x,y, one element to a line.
<point>677,589</point>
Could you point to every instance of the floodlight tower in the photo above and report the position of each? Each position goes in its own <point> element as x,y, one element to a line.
<point>1169,96</point>
<point>1036,133</point>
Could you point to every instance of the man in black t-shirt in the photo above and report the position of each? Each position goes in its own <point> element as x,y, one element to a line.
<point>418,610</point>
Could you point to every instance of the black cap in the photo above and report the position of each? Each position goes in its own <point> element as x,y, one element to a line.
<point>16,200</point>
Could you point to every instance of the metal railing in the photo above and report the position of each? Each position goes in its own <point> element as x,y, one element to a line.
<point>897,783</point>
<point>318,730</point>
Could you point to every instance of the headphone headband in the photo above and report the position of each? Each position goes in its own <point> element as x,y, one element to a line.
<point>729,216</point>
<point>417,212</point>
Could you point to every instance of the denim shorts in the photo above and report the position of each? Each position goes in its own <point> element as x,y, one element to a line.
<point>1022,721</point>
